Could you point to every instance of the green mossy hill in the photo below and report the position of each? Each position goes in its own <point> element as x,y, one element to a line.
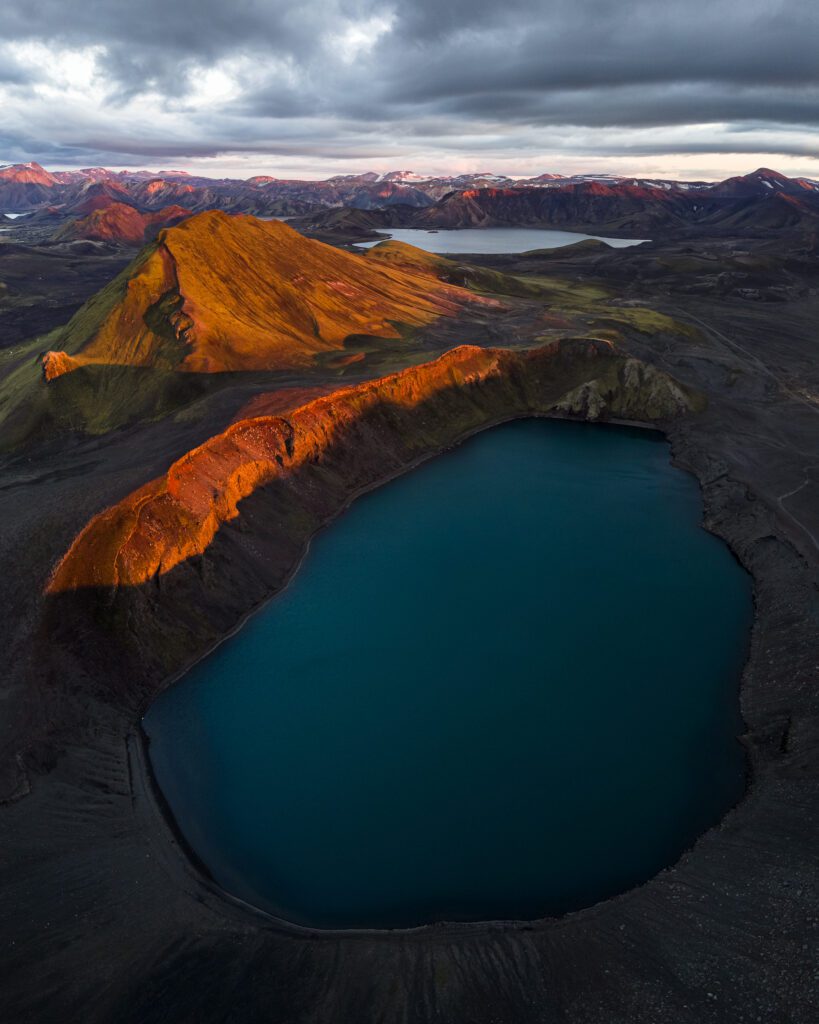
<point>93,400</point>
<point>646,321</point>
<point>585,245</point>
<point>464,275</point>
<point>97,397</point>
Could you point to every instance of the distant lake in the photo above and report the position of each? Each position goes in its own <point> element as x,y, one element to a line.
<point>504,685</point>
<point>495,240</point>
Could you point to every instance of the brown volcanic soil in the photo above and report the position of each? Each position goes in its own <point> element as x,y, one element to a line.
<point>104,917</point>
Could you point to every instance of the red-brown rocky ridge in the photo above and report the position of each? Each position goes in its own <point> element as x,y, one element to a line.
<point>361,433</point>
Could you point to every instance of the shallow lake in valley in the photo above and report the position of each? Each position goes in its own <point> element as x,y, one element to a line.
<point>494,240</point>
<point>504,685</point>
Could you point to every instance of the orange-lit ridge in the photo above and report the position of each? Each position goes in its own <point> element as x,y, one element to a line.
<point>176,516</point>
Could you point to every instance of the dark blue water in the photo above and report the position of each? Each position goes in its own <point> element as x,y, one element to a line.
<point>503,686</point>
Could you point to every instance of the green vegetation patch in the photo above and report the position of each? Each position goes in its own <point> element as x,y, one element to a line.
<point>648,321</point>
<point>89,318</point>
<point>92,399</point>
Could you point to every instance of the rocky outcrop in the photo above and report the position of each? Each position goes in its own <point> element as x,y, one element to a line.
<point>634,390</point>
<point>55,364</point>
<point>360,435</point>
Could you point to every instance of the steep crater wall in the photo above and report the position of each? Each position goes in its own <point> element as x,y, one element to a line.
<point>159,578</point>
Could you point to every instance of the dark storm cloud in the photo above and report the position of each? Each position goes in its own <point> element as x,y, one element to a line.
<point>633,106</point>
<point>564,62</point>
<point>322,78</point>
<point>585,43</point>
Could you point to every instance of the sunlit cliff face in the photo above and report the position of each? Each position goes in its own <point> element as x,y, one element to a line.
<point>365,430</point>
<point>176,516</point>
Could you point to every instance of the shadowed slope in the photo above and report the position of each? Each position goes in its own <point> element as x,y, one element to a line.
<point>219,293</point>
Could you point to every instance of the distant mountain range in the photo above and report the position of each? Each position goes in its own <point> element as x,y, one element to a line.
<point>765,199</point>
<point>25,187</point>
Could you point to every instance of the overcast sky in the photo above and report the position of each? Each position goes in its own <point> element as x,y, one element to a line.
<point>695,89</point>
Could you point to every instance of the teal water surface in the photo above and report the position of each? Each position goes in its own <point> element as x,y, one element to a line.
<point>502,686</point>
